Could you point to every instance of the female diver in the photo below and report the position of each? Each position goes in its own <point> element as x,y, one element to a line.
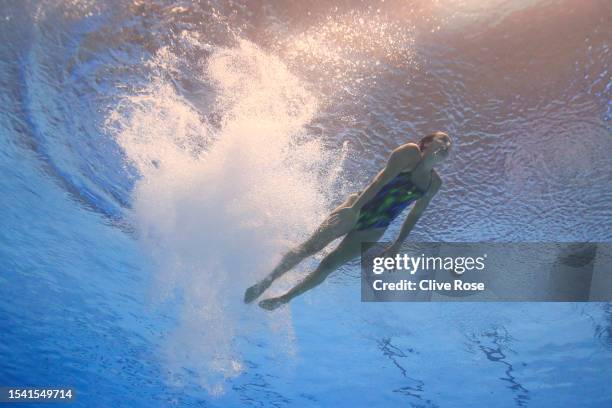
<point>408,176</point>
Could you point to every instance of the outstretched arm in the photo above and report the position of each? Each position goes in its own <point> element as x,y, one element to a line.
<point>417,210</point>
<point>404,158</point>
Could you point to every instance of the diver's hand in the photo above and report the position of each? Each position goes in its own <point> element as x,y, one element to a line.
<point>254,291</point>
<point>343,218</point>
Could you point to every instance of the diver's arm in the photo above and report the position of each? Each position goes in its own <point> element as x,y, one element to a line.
<point>417,210</point>
<point>404,158</point>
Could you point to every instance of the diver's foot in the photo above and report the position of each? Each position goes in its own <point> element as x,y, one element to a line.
<point>272,303</point>
<point>254,291</point>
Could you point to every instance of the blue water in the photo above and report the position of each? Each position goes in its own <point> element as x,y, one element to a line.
<point>156,158</point>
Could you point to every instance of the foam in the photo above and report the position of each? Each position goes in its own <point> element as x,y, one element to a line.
<point>215,206</point>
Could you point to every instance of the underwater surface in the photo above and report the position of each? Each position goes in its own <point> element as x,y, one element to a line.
<point>157,158</point>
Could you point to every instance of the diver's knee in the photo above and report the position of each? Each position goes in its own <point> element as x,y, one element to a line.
<point>295,252</point>
<point>304,250</point>
<point>310,248</point>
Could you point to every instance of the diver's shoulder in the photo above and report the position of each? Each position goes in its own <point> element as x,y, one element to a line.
<point>405,157</point>
<point>409,147</point>
<point>407,151</point>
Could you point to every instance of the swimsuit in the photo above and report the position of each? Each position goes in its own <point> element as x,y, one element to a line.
<point>390,201</point>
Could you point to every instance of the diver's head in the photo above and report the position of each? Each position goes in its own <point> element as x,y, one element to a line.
<point>435,146</point>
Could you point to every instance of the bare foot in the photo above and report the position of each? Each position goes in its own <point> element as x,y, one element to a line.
<point>272,303</point>
<point>254,291</point>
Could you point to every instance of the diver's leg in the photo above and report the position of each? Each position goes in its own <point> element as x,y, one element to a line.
<point>348,249</point>
<point>326,233</point>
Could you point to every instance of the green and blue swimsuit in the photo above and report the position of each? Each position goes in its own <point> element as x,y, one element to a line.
<point>389,202</point>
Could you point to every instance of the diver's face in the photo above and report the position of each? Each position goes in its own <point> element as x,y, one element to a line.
<point>440,147</point>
